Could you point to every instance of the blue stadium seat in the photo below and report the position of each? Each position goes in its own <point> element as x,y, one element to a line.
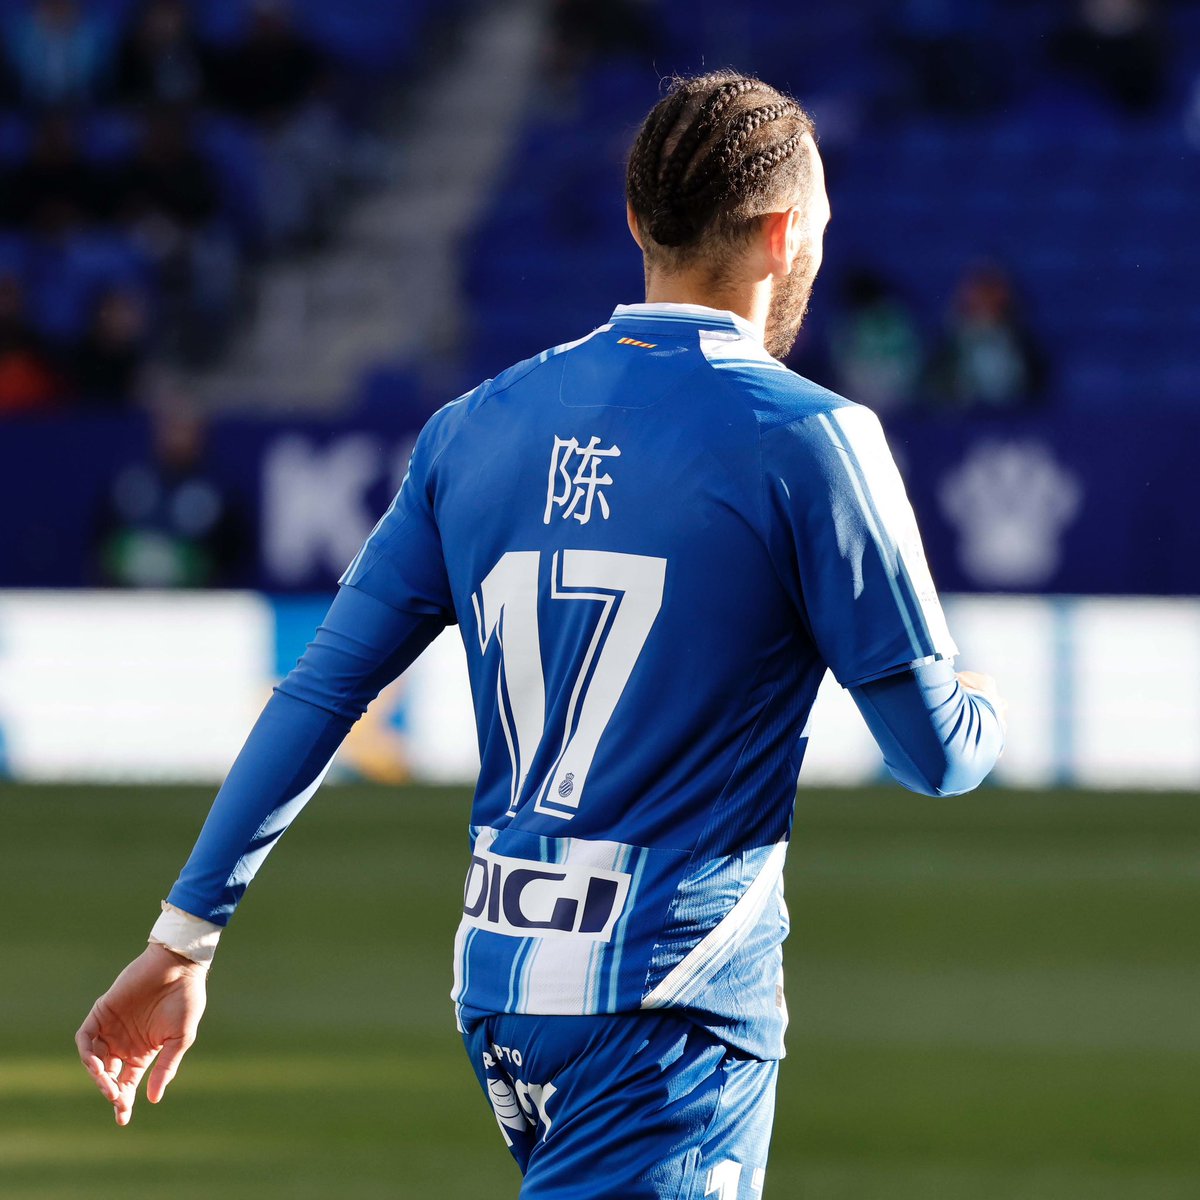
<point>230,148</point>
<point>1096,226</point>
<point>65,279</point>
<point>15,137</point>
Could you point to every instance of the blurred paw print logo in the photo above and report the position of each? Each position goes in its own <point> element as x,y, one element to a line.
<point>1011,503</point>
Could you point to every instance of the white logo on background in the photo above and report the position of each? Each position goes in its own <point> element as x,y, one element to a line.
<point>316,513</point>
<point>1011,503</point>
<point>574,486</point>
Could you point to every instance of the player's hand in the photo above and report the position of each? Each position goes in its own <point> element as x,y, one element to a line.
<point>151,1012</point>
<point>987,687</point>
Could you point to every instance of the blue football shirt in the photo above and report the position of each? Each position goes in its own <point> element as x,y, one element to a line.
<point>654,540</point>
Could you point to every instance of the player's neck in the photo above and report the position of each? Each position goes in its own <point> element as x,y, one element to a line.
<point>749,300</point>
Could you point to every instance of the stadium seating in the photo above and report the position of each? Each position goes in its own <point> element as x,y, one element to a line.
<point>61,273</point>
<point>1092,212</point>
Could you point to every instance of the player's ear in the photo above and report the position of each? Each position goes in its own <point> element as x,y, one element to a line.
<point>784,237</point>
<point>631,221</point>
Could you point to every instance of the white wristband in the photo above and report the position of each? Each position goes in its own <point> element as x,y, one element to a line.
<point>193,937</point>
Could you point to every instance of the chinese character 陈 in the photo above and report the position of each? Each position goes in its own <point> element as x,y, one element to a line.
<point>576,476</point>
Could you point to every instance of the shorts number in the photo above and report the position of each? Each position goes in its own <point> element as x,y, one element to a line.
<point>725,1179</point>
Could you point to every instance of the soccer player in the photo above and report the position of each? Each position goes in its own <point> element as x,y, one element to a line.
<point>655,541</point>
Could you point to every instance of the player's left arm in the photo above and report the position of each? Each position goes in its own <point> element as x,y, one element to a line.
<point>845,537</point>
<point>940,733</point>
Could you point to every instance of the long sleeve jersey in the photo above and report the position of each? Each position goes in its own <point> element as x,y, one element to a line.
<point>655,541</point>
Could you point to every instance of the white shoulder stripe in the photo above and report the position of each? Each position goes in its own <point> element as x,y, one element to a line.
<point>863,436</point>
<point>732,348</point>
<point>555,350</point>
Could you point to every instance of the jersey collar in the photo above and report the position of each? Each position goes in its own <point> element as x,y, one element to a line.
<point>691,314</point>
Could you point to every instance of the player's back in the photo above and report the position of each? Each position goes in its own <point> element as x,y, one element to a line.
<point>602,515</point>
<point>631,528</point>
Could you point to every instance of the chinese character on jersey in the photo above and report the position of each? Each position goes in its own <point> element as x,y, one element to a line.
<point>577,473</point>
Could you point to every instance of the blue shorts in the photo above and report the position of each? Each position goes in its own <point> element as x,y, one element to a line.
<point>645,1106</point>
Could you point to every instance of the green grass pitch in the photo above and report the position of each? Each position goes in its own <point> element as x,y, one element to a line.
<point>992,998</point>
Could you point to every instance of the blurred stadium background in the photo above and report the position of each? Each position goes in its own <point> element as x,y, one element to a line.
<point>247,246</point>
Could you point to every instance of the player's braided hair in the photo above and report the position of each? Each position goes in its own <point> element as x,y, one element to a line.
<point>715,153</point>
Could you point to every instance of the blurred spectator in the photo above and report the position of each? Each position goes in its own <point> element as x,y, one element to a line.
<point>167,522</point>
<point>875,349</point>
<point>162,60</point>
<point>1119,45</point>
<point>274,72</point>
<point>57,190</point>
<point>59,53</point>
<point>581,30</point>
<point>27,379</point>
<point>1191,116</point>
<point>987,359</point>
<point>167,197</point>
<point>952,61</point>
<point>277,79</point>
<point>106,365</point>
<point>167,183</point>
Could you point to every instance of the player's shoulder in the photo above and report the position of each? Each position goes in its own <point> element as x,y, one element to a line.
<point>525,374</point>
<point>806,428</point>
<point>783,400</point>
<point>448,421</point>
<point>777,395</point>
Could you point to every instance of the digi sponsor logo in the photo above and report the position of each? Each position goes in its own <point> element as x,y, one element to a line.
<point>523,899</point>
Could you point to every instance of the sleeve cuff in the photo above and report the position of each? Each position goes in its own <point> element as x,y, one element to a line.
<point>193,937</point>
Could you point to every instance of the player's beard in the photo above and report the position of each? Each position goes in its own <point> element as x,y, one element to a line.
<point>788,308</point>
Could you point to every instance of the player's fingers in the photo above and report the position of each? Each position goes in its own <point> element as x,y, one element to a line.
<point>987,687</point>
<point>131,1075</point>
<point>106,1085</point>
<point>165,1067</point>
<point>101,1078</point>
<point>84,1036</point>
<point>90,1056</point>
<point>110,1060</point>
<point>976,681</point>
<point>123,1105</point>
<point>127,1085</point>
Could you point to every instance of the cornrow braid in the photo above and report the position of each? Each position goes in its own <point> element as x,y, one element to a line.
<point>710,158</point>
<point>763,163</point>
<point>702,127</point>
<point>726,169</point>
<point>654,133</point>
<point>729,150</point>
<point>670,225</point>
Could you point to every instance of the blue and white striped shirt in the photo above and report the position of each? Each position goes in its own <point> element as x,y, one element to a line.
<point>654,541</point>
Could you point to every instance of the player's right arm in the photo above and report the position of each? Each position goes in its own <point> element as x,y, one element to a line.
<point>393,601</point>
<point>846,540</point>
